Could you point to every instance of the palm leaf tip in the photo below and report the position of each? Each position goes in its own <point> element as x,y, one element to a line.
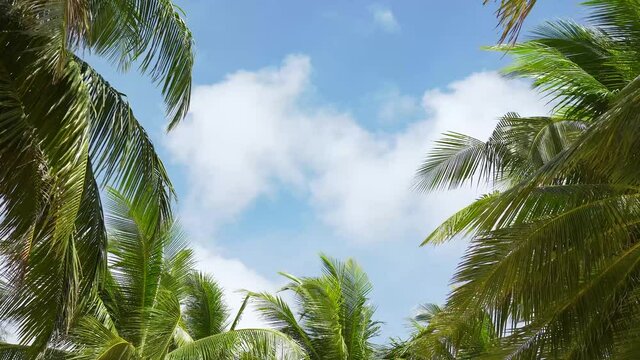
<point>511,15</point>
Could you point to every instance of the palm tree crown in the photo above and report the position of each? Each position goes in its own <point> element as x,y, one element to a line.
<point>554,253</point>
<point>333,319</point>
<point>66,133</point>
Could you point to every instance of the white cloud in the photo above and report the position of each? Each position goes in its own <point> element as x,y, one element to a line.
<point>384,18</point>
<point>235,142</point>
<point>250,134</point>
<point>395,106</point>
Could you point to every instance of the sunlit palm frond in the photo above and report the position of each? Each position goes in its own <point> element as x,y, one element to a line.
<point>205,312</point>
<point>619,18</point>
<point>279,315</point>
<point>240,344</point>
<point>333,318</point>
<point>575,217</point>
<point>179,267</point>
<point>153,305</point>
<point>576,67</point>
<point>150,34</point>
<point>136,263</point>
<point>65,134</point>
<point>163,319</point>
<point>610,144</point>
<point>580,324</point>
<point>99,342</point>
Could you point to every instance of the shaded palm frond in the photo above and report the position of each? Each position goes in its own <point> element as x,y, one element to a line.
<point>153,33</point>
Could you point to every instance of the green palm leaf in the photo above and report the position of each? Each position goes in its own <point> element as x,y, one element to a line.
<point>241,344</point>
<point>205,312</point>
<point>333,320</point>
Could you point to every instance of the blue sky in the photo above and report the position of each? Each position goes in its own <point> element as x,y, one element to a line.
<point>308,121</point>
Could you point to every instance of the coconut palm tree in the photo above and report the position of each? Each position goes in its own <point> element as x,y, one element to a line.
<point>554,252</point>
<point>441,335</point>
<point>154,305</point>
<point>65,133</point>
<point>333,319</point>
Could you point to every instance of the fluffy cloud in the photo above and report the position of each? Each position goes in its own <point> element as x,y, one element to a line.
<point>239,140</point>
<point>395,106</point>
<point>384,18</point>
<point>254,132</point>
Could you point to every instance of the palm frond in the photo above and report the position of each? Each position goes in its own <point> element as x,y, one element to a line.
<point>154,33</point>
<point>517,148</point>
<point>22,352</point>
<point>511,15</point>
<point>243,344</point>
<point>281,317</point>
<point>461,223</point>
<point>99,342</point>
<point>554,256</point>
<point>456,159</point>
<point>121,151</point>
<point>333,318</point>
<point>163,320</point>
<point>50,131</point>
<point>206,313</point>
<point>136,264</point>
<point>573,65</point>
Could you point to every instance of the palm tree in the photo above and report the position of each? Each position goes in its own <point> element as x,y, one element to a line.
<point>333,319</point>
<point>154,305</point>
<point>65,133</point>
<point>554,252</point>
<point>441,335</point>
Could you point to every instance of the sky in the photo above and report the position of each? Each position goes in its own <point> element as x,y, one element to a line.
<point>308,121</point>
